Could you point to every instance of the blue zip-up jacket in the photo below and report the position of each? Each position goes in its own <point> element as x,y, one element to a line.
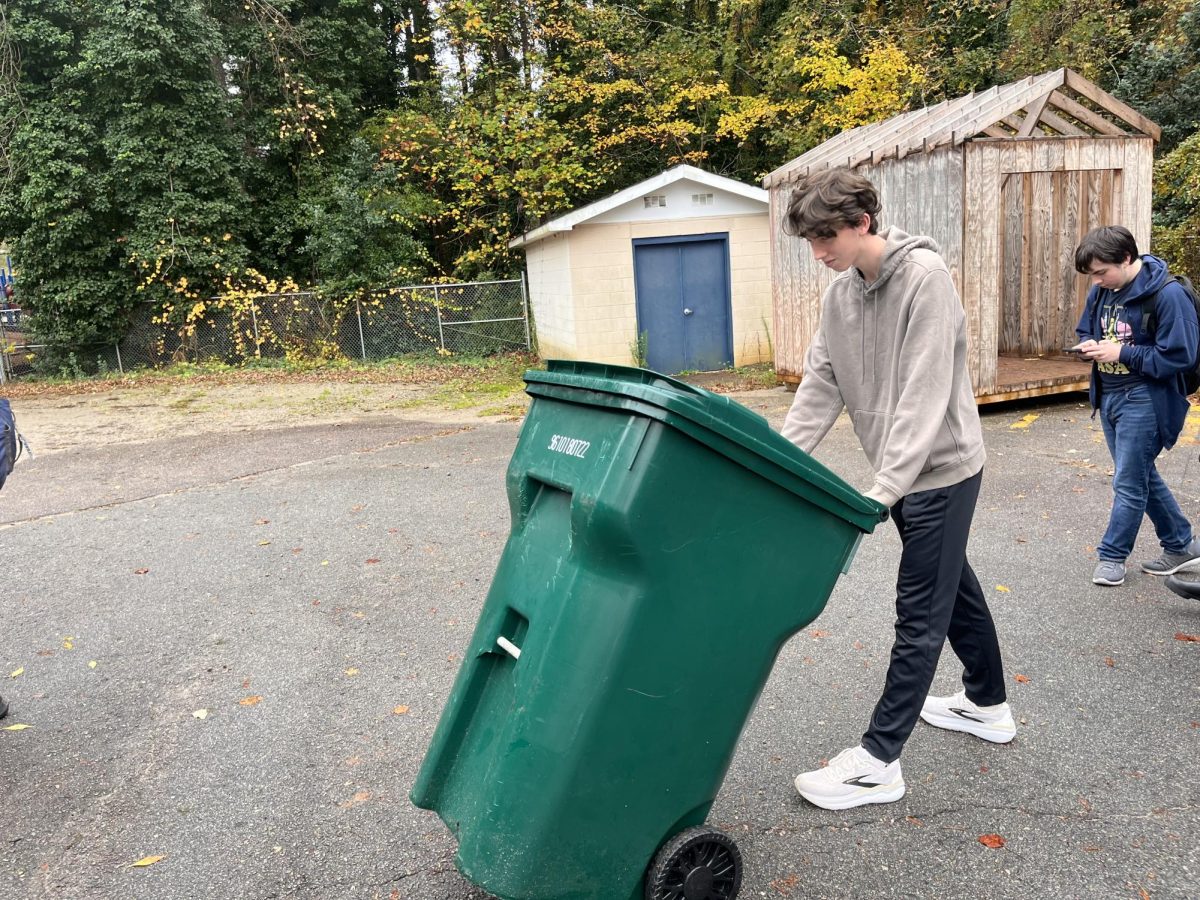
<point>1162,359</point>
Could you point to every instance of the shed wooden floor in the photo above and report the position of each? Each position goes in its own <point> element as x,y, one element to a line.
<point>1024,376</point>
<point>1018,377</point>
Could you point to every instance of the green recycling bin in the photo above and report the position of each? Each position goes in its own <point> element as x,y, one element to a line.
<point>665,544</point>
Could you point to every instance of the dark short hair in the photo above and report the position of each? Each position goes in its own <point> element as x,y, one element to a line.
<point>825,201</point>
<point>1109,244</point>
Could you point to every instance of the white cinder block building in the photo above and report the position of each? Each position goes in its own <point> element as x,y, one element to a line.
<point>681,260</point>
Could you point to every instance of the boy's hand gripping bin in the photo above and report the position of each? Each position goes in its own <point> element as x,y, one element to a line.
<point>665,544</point>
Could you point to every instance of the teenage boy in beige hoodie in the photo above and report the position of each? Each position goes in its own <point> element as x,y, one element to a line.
<point>891,349</point>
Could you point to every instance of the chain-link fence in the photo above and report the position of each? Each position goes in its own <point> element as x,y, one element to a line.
<point>470,319</point>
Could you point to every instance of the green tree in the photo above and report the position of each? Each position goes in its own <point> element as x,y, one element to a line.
<point>121,161</point>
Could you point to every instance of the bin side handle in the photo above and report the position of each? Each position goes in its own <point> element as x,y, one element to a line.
<point>509,647</point>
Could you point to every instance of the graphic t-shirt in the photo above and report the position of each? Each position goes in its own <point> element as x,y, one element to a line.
<point>1114,326</point>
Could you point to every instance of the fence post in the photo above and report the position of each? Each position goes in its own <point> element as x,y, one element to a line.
<point>254,325</point>
<point>525,310</point>
<point>437,305</point>
<point>120,368</point>
<point>362,341</point>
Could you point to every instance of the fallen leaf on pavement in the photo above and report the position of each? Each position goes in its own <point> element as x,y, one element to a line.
<point>250,701</point>
<point>140,571</point>
<point>1180,636</point>
<point>1109,661</point>
<point>991,840</point>
<point>200,714</point>
<point>351,672</point>
<point>146,861</point>
<point>18,727</point>
<point>400,710</point>
<point>360,797</point>
<point>17,673</point>
<point>1021,679</point>
<point>263,522</point>
<point>818,633</point>
<point>68,643</point>
<point>372,561</point>
<point>1002,589</point>
<point>786,885</point>
<point>92,664</point>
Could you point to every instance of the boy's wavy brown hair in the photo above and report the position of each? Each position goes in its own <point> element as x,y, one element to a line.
<point>824,202</point>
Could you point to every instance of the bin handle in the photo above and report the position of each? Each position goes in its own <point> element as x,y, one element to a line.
<point>509,647</point>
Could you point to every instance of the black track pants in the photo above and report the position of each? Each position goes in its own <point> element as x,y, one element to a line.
<point>937,597</point>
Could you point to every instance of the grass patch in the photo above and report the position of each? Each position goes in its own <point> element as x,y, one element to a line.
<point>483,378</point>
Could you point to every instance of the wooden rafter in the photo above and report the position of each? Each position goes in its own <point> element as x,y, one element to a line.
<point>1062,126</point>
<point>1078,111</point>
<point>1108,102</point>
<point>1032,114</point>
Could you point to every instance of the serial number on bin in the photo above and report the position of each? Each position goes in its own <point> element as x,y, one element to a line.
<point>571,446</point>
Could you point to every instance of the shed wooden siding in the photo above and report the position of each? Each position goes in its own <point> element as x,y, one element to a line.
<point>921,194</point>
<point>1029,202</point>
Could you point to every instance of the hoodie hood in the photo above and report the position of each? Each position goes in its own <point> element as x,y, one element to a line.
<point>897,246</point>
<point>1152,276</point>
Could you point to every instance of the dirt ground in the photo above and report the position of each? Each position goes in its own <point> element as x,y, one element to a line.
<point>55,418</point>
<point>56,422</point>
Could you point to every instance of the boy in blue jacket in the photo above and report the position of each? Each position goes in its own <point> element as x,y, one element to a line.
<point>1137,387</point>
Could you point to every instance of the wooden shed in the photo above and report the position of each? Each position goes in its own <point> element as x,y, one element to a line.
<point>1006,181</point>
<point>673,269</point>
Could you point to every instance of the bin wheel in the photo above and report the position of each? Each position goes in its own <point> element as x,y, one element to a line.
<point>696,864</point>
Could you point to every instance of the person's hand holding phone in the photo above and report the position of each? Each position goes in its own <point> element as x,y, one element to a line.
<point>1097,351</point>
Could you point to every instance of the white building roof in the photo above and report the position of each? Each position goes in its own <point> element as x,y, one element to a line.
<point>642,188</point>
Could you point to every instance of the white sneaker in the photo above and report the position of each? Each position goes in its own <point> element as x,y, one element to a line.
<point>957,713</point>
<point>852,778</point>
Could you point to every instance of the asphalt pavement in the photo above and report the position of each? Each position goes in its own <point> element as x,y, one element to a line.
<point>230,653</point>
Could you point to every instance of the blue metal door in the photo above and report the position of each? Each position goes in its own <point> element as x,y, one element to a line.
<point>682,286</point>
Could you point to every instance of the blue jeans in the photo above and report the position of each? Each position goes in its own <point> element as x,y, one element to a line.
<point>1131,431</point>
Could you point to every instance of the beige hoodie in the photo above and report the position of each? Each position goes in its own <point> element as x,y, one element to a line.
<point>894,354</point>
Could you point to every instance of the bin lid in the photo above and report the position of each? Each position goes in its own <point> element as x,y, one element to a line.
<point>716,420</point>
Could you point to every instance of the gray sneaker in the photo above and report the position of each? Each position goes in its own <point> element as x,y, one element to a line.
<point>1185,583</point>
<point>1170,563</point>
<point>1109,572</point>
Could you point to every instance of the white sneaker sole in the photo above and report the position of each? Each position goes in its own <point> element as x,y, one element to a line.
<point>1160,572</point>
<point>885,793</point>
<point>998,733</point>
<point>1108,582</point>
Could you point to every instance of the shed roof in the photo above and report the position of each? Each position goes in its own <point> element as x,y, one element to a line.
<point>1056,103</point>
<point>649,186</point>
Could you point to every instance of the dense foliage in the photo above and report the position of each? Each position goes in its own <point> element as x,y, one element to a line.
<point>177,150</point>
